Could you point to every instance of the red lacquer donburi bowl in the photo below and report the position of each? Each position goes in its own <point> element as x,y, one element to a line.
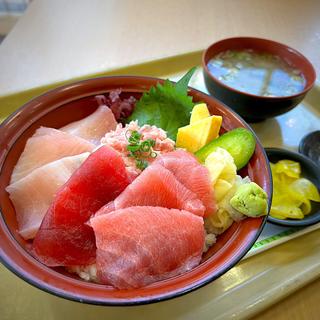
<point>73,102</point>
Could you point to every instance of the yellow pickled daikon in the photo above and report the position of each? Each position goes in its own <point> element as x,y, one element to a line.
<point>291,193</point>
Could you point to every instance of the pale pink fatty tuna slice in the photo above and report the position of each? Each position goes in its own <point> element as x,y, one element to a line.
<point>33,194</point>
<point>156,186</point>
<point>192,175</point>
<point>140,245</point>
<point>45,146</point>
<point>93,127</point>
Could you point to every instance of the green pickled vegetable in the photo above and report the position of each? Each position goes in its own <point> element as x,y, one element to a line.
<point>240,143</point>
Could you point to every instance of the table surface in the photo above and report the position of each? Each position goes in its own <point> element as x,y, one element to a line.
<point>59,40</point>
<point>303,304</point>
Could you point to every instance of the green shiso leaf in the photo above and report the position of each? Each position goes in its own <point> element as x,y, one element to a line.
<point>182,84</point>
<point>166,106</point>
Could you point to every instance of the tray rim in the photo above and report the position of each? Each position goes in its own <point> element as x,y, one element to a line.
<point>13,101</point>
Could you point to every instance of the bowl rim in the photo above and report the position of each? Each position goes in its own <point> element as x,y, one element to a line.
<point>279,44</point>
<point>42,285</point>
<point>303,141</point>
<point>308,163</point>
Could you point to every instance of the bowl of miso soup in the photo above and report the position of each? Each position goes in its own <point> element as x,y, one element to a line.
<point>258,78</point>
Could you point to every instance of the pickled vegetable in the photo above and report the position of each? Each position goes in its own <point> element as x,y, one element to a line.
<point>240,143</point>
<point>222,171</point>
<point>292,195</point>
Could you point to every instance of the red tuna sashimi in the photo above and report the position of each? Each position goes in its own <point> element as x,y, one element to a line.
<point>33,194</point>
<point>180,154</point>
<point>93,127</point>
<point>64,238</point>
<point>156,186</point>
<point>140,245</point>
<point>192,175</point>
<point>45,146</point>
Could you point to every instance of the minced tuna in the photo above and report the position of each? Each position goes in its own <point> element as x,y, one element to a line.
<point>118,140</point>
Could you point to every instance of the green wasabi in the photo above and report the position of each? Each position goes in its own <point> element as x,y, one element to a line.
<point>251,200</point>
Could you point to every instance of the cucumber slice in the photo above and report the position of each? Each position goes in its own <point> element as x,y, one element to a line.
<point>240,143</point>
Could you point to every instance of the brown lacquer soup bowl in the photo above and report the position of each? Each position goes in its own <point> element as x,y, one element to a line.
<point>254,107</point>
<point>73,102</point>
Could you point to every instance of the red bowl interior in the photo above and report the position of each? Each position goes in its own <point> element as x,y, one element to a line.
<point>289,55</point>
<point>75,101</point>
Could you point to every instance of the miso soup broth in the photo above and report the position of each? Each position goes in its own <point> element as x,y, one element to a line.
<point>261,74</point>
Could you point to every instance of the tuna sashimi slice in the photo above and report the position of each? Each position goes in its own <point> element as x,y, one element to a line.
<point>192,175</point>
<point>45,146</point>
<point>180,154</point>
<point>156,186</point>
<point>33,194</point>
<point>64,237</point>
<point>140,245</point>
<point>93,127</point>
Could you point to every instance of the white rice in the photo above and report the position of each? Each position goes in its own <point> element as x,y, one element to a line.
<point>210,239</point>
<point>87,273</point>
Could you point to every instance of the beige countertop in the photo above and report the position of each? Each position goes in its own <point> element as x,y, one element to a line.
<point>60,40</point>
